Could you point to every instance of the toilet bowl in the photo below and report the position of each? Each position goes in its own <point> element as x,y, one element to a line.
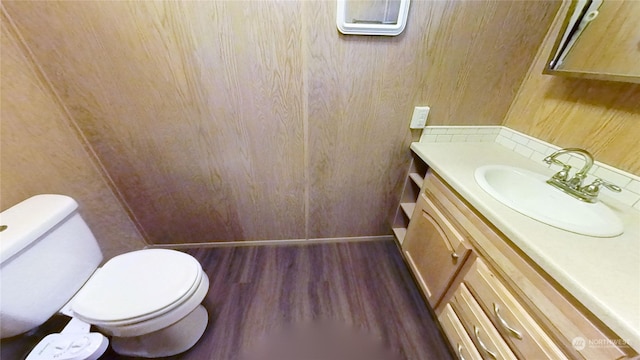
<point>139,296</point>
<point>147,301</point>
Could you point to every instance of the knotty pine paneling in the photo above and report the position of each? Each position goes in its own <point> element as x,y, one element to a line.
<point>464,59</point>
<point>600,116</point>
<point>40,153</point>
<point>195,109</point>
<point>222,121</point>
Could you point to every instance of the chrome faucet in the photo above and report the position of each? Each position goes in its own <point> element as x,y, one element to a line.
<point>574,185</point>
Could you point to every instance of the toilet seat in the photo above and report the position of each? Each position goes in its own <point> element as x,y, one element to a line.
<point>139,286</point>
<point>153,315</point>
<point>163,321</point>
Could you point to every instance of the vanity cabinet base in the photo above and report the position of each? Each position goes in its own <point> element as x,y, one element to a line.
<point>493,300</point>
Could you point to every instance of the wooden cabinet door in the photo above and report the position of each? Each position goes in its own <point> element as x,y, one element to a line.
<point>434,248</point>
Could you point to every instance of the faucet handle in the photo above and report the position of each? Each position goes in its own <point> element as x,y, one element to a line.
<point>594,188</point>
<point>552,160</point>
<point>563,174</point>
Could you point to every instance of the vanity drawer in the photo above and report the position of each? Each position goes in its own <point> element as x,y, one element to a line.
<point>518,328</point>
<point>485,336</point>
<point>458,337</point>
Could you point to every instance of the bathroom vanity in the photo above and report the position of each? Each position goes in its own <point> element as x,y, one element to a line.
<point>503,285</point>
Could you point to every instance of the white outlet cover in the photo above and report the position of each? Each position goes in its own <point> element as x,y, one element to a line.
<point>419,118</point>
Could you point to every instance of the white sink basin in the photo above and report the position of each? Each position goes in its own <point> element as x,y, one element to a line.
<point>528,193</point>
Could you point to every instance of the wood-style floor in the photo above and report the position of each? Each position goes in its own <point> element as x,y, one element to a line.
<point>337,301</point>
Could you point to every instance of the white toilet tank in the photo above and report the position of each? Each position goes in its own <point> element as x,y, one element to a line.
<point>47,252</point>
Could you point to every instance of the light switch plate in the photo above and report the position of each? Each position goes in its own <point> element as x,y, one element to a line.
<point>419,118</point>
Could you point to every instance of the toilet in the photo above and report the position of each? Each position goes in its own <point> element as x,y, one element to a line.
<point>148,302</point>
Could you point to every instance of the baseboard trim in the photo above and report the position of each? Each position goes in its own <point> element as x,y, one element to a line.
<point>271,242</point>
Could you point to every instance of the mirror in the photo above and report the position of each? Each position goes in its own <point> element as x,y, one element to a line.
<point>600,39</point>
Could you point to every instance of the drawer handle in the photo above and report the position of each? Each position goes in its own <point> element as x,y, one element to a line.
<point>505,324</point>
<point>482,345</point>
<point>454,256</point>
<point>460,352</point>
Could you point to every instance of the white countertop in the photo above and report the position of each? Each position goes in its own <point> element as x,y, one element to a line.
<point>602,273</point>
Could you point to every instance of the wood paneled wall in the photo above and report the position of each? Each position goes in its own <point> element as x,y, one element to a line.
<point>195,111</point>
<point>223,121</point>
<point>600,116</point>
<point>40,153</point>
<point>452,56</point>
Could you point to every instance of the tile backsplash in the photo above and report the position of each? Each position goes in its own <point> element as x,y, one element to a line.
<point>536,149</point>
<point>460,133</point>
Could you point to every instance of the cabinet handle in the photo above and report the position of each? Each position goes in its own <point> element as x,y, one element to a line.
<point>460,352</point>
<point>482,345</point>
<point>505,324</point>
<point>454,256</point>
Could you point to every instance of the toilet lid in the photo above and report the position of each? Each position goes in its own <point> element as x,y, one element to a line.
<point>137,284</point>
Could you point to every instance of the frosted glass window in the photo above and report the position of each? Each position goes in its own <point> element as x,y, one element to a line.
<point>372,17</point>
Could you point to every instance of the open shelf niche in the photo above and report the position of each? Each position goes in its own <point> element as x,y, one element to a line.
<point>410,193</point>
